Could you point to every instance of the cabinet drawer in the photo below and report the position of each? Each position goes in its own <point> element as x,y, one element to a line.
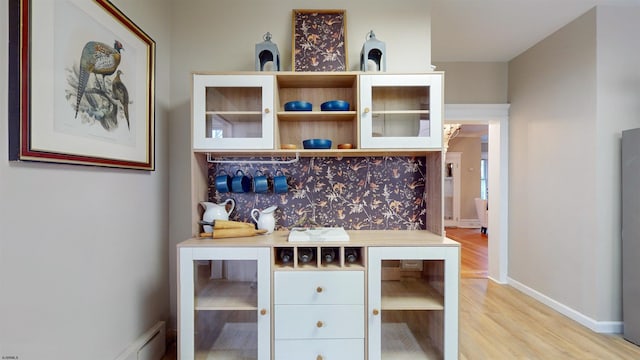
<point>339,349</point>
<point>319,287</point>
<point>319,321</point>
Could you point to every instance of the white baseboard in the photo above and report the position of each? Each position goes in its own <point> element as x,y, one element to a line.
<point>603,327</point>
<point>469,223</point>
<point>149,346</point>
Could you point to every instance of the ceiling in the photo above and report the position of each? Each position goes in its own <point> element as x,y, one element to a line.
<point>499,30</point>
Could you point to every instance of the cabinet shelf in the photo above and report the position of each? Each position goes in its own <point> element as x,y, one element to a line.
<point>410,294</point>
<point>233,112</point>
<point>226,295</point>
<point>399,112</point>
<point>316,115</point>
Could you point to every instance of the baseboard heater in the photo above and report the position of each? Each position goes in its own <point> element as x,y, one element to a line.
<point>149,346</point>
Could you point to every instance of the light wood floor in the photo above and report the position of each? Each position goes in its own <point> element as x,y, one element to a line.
<point>499,322</point>
<point>474,255</point>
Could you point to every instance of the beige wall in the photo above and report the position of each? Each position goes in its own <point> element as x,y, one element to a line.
<point>84,250</point>
<point>221,36</point>
<point>571,95</point>
<point>469,173</point>
<point>474,82</point>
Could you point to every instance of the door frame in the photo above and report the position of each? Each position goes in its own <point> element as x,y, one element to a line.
<point>496,116</point>
<point>454,157</point>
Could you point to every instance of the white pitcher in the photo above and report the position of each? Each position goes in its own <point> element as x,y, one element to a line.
<point>216,212</point>
<point>266,219</point>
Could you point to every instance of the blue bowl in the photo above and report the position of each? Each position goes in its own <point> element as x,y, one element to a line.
<point>335,105</point>
<point>298,106</point>
<point>317,144</point>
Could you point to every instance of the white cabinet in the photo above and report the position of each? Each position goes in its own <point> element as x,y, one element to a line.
<point>232,112</point>
<point>319,314</point>
<point>401,111</point>
<point>399,300</point>
<point>238,112</point>
<point>417,305</point>
<point>220,316</point>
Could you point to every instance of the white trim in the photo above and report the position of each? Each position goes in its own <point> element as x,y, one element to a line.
<point>469,223</point>
<point>150,344</point>
<point>603,327</point>
<point>497,117</point>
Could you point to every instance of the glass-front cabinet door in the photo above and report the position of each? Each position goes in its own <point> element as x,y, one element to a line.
<point>401,111</point>
<point>413,302</point>
<point>232,112</point>
<point>225,303</point>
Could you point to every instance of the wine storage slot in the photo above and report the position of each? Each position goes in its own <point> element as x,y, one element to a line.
<point>307,256</point>
<point>284,256</point>
<point>330,257</point>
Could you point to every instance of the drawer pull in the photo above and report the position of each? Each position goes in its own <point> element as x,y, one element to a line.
<point>263,312</point>
<point>366,110</point>
<point>319,289</point>
<point>376,312</point>
<point>319,357</point>
<point>266,110</point>
<point>319,324</point>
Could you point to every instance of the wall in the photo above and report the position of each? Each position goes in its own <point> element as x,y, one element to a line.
<point>221,36</point>
<point>474,82</point>
<point>84,250</point>
<point>571,95</point>
<point>357,193</point>
<point>469,173</point>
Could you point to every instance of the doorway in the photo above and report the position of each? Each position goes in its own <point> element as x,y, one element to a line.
<point>496,116</point>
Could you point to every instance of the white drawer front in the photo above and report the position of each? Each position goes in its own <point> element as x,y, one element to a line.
<point>318,287</point>
<point>319,321</point>
<point>340,349</point>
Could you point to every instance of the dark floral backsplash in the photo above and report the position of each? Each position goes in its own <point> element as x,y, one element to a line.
<point>357,193</point>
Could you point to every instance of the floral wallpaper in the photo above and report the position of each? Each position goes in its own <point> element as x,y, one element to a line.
<point>357,193</point>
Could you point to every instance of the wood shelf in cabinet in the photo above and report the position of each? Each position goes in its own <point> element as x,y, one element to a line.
<point>399,112</point>
<point>291,153</point>
<point>233,112</point>
<point>316,115</point>
<point>410,294</point>
<point>226,295</point>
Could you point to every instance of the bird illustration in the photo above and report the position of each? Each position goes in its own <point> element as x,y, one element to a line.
<point>97,58</point>
<point>121,94</point>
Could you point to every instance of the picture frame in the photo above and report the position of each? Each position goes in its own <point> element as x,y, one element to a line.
<point>81,85</point>
<point>319,40</point>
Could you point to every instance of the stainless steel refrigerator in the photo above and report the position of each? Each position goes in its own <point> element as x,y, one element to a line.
<point>631,234</point>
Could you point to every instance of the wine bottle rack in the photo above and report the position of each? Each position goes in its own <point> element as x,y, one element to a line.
<point>323,257</point>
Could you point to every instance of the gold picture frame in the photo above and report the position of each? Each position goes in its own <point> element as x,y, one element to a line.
<point>319,40</point>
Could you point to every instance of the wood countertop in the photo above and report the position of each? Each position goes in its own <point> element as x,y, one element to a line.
<point>357,238</point>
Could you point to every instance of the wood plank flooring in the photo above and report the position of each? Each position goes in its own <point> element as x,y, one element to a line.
<point>474,255</point>
<point>499,322</point>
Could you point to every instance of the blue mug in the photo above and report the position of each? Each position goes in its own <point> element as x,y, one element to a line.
<point>260,182</point>
<point>280,184</point>
<point>240,183</point>
<point>223,182</point>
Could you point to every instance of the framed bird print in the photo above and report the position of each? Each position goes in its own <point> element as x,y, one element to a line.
<point>81,85</point>
<point>319,40</point>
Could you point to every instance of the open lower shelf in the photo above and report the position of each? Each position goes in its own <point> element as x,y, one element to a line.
<point>410,294</point>
<point>226,295</point>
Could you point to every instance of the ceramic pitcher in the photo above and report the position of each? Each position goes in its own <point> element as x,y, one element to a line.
<point>216,212</point>
<point>265,219</point>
